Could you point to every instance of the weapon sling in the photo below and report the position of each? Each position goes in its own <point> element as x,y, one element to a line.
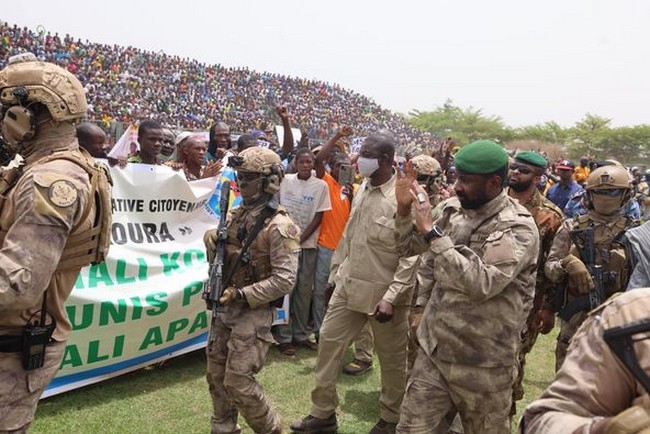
<point>269,211</point>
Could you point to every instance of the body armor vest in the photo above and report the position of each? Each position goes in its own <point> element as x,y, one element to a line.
<point>256,263</point>
<point>89,245</point>
<point>611,250</point>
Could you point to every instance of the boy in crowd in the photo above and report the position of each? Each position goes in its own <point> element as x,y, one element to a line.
<point>306,198</point>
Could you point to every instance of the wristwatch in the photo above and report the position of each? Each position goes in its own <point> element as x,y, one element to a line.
<point>435,232</point>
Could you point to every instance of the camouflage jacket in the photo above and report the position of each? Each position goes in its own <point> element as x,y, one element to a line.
<point>483,271</point>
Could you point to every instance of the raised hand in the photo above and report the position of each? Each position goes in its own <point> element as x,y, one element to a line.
<point>282,112</point>
<point>211,169</point>
<point>403,188</point>
<point>421,208</point>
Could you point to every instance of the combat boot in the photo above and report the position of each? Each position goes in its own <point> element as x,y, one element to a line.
<point>383,427</point>
<point>313,425</point>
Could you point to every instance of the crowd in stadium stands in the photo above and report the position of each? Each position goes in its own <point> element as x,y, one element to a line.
<point>471,266</point>
<point>127,84</point>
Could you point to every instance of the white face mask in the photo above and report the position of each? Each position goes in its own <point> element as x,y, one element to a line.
<point>367,166</point>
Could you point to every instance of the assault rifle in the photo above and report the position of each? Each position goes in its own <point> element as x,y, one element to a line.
<point>213,287</point>
<point>621,341</point>
<point>583,239</point>
<point>588,255</point>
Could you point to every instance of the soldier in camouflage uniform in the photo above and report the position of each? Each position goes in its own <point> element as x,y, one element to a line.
<point>524,175</point>
<point>243,332</point>
<point>484,251</point>
<point>608,190</point>
<point>54,219</point>
<point>593,392</point>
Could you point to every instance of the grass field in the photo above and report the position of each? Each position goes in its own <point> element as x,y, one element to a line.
<point>174,398</point>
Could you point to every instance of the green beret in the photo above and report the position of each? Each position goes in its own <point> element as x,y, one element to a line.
<point>481,157</point>
<point>532,158</point>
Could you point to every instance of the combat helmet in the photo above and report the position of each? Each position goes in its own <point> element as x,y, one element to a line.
<point>608,177</point>
<point>608,189</point>
<point>26,81</point>
<point>263,161</point>
<point>426,165</point>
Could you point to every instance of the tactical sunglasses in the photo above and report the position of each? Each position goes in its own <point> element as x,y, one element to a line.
<point>525,170</point>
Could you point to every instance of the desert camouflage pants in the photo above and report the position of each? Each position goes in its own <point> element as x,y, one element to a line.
<point>242,339</point>
<point>528,338</point>
<point>437,390</point>
<point>567,330</point>
<point>20,389</point>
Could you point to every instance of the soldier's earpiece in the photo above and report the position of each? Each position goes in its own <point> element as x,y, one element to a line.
<point>18,121</point>
<point>18,124</point>
<point>271,183</point>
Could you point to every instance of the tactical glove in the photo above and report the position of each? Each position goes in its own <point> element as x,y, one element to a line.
<point>210,241</point>
<point>579,277</point>
<point>230,295</point>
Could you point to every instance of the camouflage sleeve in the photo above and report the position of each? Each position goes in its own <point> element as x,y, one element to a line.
<point>545,287</point>
<point>590,383</point>
<point>559,250</point>
<point>46,207</point>
<point>401,287</point>
<point>284,238</point>
<point>506,254</point>
<point>425,279</point>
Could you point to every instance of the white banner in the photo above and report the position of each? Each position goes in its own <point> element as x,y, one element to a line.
<point>143,304</point>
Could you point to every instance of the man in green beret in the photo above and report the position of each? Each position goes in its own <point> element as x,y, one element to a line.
<point>484,247</point>
<point>524,175</point>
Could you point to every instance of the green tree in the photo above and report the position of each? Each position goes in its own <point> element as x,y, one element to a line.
<point>630,145</point>
<point>550,132</point>
<point>463,125</point>
<point>588,136</point>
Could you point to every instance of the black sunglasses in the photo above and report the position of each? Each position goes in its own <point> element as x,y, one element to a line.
<point>521,168</point>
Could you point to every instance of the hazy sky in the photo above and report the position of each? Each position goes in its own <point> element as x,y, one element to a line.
<point>525,61</point>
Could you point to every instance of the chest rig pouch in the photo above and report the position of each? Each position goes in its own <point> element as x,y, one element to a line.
<point>611,250</point>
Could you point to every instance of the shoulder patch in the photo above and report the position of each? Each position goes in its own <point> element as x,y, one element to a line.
<point>289,230</point>
<point>62,193</point>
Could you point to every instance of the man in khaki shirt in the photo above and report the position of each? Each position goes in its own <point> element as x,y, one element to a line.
<point>372,285</point>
